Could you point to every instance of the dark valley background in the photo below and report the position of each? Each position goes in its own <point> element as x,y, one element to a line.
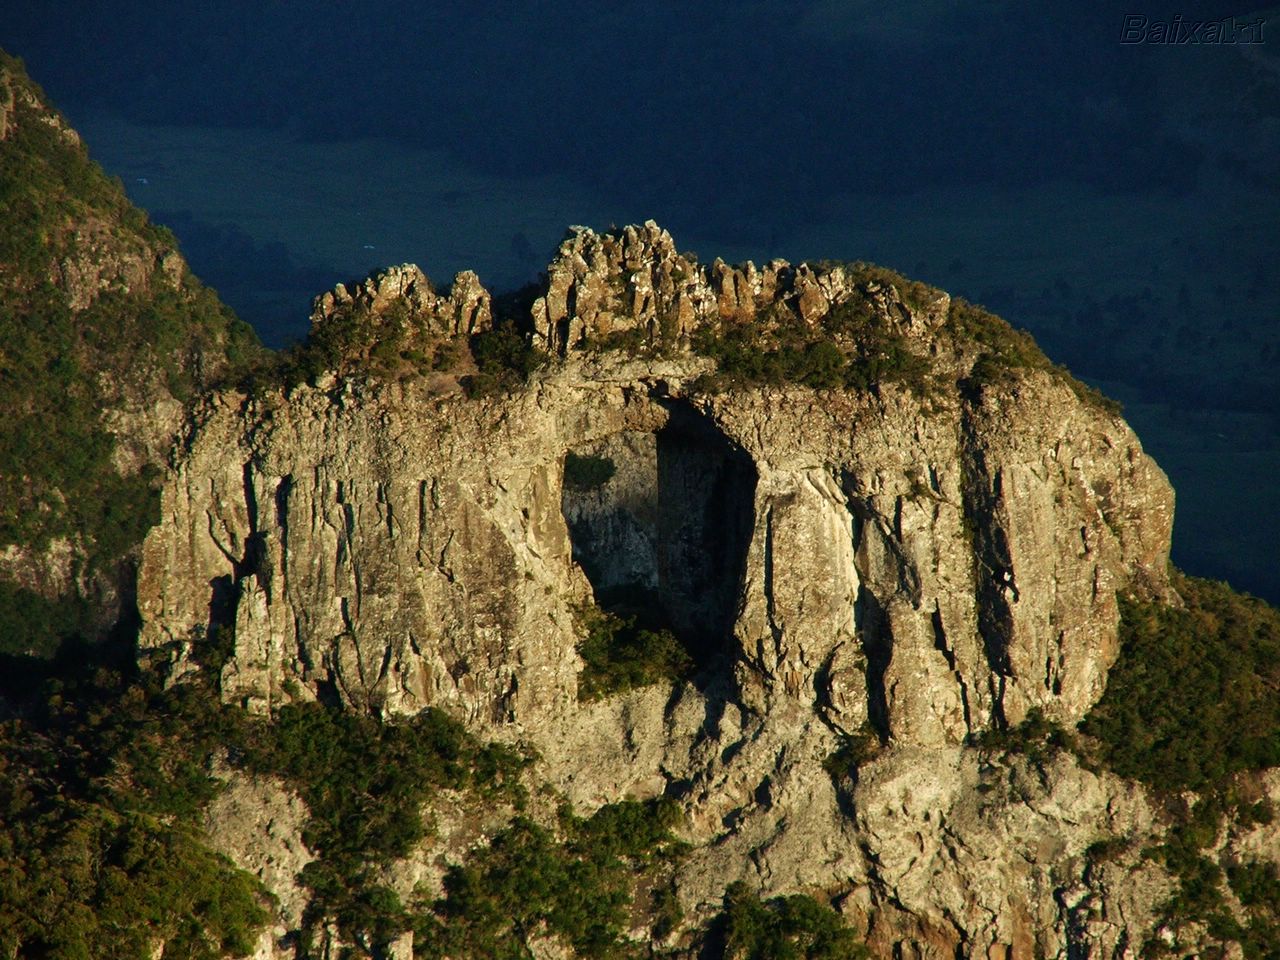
<point>1119,201</point>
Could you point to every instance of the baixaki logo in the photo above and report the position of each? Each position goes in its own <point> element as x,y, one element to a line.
<point>1180,31</point>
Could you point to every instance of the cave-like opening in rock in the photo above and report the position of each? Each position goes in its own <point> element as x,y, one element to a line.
<point>660,523</point>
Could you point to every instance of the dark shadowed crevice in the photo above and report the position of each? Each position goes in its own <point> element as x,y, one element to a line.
<point>877,644</point>
<point>992,566</point>
<point>940,644</point>
<point>660,523</point>
<point>224,594</point>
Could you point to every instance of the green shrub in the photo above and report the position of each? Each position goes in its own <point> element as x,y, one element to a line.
<point>1257,884</point>
<point>854,750</point>
<point>1001,345</point>
<point>587,472</point>
<point>617,655</point>
<point>505,361</point>
<point>633,341</point>
<point>914,293</point>
<point>852,347</point>
<point>785,928</point>
<point>1036,738</point>
<point>390,344</point>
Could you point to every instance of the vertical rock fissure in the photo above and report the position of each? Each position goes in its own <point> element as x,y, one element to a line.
<point>940,642</point>
<point>877,644</point>
<point>250,496</point>
<point>251,563</point>
<point>769,602</point>
<point>992,567</point>
<point>283,486</point>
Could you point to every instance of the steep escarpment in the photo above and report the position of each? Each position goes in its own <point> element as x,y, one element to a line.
<point>871,571</point>
<point>663,608</point>
<point>930,561</point>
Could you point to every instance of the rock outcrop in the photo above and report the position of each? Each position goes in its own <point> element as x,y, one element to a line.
<point>913,567</point>
<point>467,310</point>
<point>925,564</point>
<point>635,280</point>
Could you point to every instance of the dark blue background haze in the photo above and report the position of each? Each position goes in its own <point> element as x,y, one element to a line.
<point>1120,201</point>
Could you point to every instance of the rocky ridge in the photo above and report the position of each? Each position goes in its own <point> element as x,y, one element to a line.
<point>635,279</point>
<point>467,309</point>
<point>912,567</point>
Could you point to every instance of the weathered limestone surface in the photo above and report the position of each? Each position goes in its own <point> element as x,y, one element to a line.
<point>920,568</point>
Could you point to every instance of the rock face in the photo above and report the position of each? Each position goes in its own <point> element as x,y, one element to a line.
<point>259,825</point>
<point>841,562</point>
<point>925,564</point>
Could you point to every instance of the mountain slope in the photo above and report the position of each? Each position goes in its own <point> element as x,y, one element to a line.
<point>104,335</point>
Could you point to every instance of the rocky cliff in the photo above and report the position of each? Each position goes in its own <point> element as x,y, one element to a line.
<point>907,565</point>
<point>809,564</point>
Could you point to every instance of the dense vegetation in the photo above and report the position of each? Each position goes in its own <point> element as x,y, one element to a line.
<point>1195,695</point>
<point>106,777</point>
<point>61,367</point>
<point>854,346</point>
<point>366,784</point>
<point>574,880</point>
<point>619,655</point>
<point>356,339</point>
<point>1193,703</point>
<point>505,360</point>
<point>1200,898</point>
<point>797,927</point>
<point>101,787</point>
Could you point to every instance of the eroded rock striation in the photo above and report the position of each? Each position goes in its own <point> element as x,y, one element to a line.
<point>913,565</point>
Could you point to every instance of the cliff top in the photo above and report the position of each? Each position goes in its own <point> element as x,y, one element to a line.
<point>630,290</point>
